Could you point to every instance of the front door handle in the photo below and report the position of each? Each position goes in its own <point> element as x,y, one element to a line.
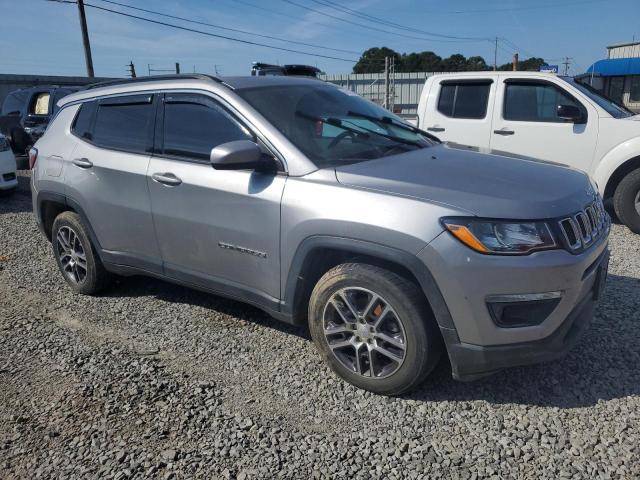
<point>82,162</point>
<point>436,129</point>
<point>166,179</point>
<point>504,131</point>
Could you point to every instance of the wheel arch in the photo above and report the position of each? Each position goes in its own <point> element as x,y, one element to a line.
<point>317,255</point>
<point>618,174</point>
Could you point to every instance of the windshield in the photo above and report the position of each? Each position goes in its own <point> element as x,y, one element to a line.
<point>333,126</point>
<point>612,108</point>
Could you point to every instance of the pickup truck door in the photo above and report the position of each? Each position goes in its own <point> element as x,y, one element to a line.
<point>460,110</point>
<point>217,228</point>
<point>526,122</point>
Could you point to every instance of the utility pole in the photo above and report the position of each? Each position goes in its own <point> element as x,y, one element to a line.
<point>132,69</point>
<point>566,63</point>
<point>85,39</point>
<point>495,56</point>
<point>386,83</point>
<point>177,68</point>
<point>515,62</point>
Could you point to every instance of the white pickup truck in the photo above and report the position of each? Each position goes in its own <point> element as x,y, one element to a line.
<point>543,116</point>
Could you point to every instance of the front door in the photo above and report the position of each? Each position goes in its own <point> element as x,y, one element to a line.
<point>215,228</point>
<point>526,123</point>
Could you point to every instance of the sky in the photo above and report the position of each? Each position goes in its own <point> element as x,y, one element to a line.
<point>43,37</point>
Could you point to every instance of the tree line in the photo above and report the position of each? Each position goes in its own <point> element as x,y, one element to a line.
<point>372,61</point>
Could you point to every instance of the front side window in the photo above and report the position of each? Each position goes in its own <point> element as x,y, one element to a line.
<point>195,124</point>
<point>535,102</point>
<point>464,99</point>
<point>333,126</point>
<point>124,123</point>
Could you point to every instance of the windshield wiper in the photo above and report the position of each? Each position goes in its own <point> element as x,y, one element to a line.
<point>394,138</point>
<point>394,122</point>
<point>335,122</point>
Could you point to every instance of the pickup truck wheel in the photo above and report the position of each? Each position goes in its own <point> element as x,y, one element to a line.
<point>373,328</point>
<point>626,201</point>
<point>76,257</point>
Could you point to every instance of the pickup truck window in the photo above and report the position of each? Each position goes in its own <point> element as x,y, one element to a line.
<point>535,102</point>
<point>464,99</point>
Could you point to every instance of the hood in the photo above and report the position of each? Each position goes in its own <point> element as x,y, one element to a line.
<point>484,184</point>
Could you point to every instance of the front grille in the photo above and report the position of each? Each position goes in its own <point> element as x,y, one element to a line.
<point>583,228</point>
<point>7,177</point>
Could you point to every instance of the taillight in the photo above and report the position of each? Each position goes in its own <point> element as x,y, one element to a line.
<point>33,156</point>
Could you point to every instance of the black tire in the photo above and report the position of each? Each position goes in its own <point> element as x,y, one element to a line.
<point>423,344</point>
<point>8,192</point>
<point>19,141</point>
<point>626,201</point>
<point>96,277</point>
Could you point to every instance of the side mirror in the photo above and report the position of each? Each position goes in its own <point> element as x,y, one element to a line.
<point>238,155</point>
<point>570,113</point>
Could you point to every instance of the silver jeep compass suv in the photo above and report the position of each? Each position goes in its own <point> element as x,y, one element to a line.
<point>318,206</point>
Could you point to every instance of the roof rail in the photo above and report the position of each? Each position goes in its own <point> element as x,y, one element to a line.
<point>127,81</point>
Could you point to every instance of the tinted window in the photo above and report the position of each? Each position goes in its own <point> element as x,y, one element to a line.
<point>82,124</point>
<point>60,93</point>
<point>464,100</point>
<point>535,102</point>
<point>194,124</point>
<point>124,123</point>
<point>616,89</point>
<point>14,103</point>
<point>634,91</point>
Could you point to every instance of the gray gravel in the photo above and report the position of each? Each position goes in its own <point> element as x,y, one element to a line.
<point>152,380</point>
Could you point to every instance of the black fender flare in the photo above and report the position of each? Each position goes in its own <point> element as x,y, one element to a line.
<point>363,247</point>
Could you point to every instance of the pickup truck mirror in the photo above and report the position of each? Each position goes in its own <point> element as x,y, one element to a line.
<point>570,113</point>
<point>238,155</point>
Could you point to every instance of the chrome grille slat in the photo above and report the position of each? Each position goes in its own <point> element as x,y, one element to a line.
<point>585,226</point>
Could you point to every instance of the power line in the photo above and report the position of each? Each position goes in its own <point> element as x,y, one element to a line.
<point>227,28</point>
<point>515,9</point>
<point>369,27</point>
<point>378,20</point>
<point>209,34</point>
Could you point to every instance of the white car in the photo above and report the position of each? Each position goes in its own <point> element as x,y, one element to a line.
<point>543,116</point>
<point>8,176</point>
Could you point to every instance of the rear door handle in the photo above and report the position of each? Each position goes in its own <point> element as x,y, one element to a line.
<point>504,132</point>
<point>436,129</point>
<point>166,179</point>
<point>82,162</point>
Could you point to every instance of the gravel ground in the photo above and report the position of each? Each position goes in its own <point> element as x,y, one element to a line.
<point>152,380</point>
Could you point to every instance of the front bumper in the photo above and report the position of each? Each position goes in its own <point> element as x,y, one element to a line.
<point>475,344</point>
<point>8,176</point>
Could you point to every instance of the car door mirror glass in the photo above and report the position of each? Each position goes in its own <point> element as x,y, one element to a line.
<point>237,155</point>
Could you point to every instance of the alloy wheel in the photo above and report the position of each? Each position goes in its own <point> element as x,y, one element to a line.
<point>72,255</point>
<point>364,333</point>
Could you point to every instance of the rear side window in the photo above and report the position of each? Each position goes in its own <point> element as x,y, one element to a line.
<point>464,99</point>
<point>535,102</point>
<point>194,124</point>
<point>14,103</point>
<point>40,104</point>
<point>124,123</point>
<point>82,124</point>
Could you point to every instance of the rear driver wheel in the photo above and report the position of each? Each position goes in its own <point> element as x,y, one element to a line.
<point>373,328</point>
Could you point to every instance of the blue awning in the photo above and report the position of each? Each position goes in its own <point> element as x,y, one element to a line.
<point>614,67</point>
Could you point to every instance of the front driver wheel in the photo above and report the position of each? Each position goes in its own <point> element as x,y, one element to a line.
<point>374,328</point>
<point>626,201</point>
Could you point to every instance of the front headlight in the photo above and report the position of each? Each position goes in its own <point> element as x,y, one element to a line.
<point>4,143</point>
<point>501,237</point>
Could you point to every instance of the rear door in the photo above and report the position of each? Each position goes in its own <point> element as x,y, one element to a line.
<point>106,176</point>
<point>526,123</point>
<point>459,110</point>
<point>215,228</point>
